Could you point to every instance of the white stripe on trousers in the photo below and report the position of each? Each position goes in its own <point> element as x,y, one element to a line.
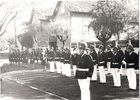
<point>84,85</point>
<point>68,70</point>
<point>116,77</point>
<point>131,76</point>
<point>63,66</point>
<point>102,74</point>
<point>94,75</point>
<point>58,66</point>
<point>52,69</point>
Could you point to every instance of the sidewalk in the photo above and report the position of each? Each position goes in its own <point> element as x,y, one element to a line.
<point>67,87</point>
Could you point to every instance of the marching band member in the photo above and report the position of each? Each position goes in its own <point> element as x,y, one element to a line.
<point>131,64</point>
<point>84,72</point>
<point>102,64</point>
<point>122,56</point>
<point>51,60</point>
<point>57,61</point>
<point>109,54</point>
<point>94,58</point>
<point>67,63</point>
<point>116,65</point>
<point>74,58</point>
<point>62,54</point>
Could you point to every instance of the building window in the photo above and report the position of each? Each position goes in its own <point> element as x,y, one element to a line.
<point>85,29</point>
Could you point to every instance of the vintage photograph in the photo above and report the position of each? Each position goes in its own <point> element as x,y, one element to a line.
<point>69,49</point>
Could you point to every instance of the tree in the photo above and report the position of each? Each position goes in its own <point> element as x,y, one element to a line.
<point>26,40</point>
<point>62,35</point>
<point>109,17</point>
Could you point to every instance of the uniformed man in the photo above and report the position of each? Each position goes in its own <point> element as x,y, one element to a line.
<point>62,54</point>
<point>25,57</point>
<point>32,56</point>
<point>116,62</point>
<point>102,64</point>
<point>22,57</point>
<point>131,64</point>
<point>67,65</point>
<point>10,57</point>
<point>84,72</point>
<point>18,57</point>
<point>51,60</point>
<point>74,59</point>
<point>109,54</point>
<point>94,58</point>
<point>36,55</point>
<point>122,56</point>
<point>57,61</point>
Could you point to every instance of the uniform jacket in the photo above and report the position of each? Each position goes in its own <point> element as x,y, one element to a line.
<point>62,54</point>
<point>51,56</point>
<point>84,62</point>
<point>121,53</point>
<point>57,56</point>
<point>116,60</point>
<point>102,58</point>
<point>108,54</point>
<point>131,58</point>
<point>94,57</point>
<point>67,58</point>
<point>74,59</point>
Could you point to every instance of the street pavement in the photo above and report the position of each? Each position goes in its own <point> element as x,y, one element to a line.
<point>12,90</point>
<point>62,87</point>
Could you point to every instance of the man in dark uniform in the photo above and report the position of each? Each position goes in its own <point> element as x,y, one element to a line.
<point>102,64</point>
<point>74,58</point>
<point>109,55</point>
<point>94,58</point>
<point>116,62</point>
<point>25,57</point>
<point>131,64</point>
<point>21,57</point>
<point>18,57</point>
<point>67,65</point>
<point>10,57</point>
<point>36,55</point>
<point>84,72</point>
<point>122,56</point>
<point>32,56</point>
<point>51,60</point>
<point>57,60</point>
<point>62,54</point>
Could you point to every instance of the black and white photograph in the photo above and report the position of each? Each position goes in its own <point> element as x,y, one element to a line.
<point>69,49</point>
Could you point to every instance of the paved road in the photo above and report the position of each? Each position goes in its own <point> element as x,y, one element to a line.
<point>12,90</point>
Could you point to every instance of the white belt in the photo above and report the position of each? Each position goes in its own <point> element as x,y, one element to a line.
<point>66,60</point>
<point>81,69</point>
<point>130,63</point>
<point>101,62</point>
<point>57,57</point>
<point>115,63</point>
<point>94,60</point>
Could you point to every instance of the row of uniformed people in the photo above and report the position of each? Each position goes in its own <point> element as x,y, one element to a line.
<point>15,57</point>
<point>83,61</point>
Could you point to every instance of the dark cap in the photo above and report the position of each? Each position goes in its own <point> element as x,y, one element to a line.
<point>101,47</point>
<point>115,49</point>
<point>92,47</point>
<point>130,47</point>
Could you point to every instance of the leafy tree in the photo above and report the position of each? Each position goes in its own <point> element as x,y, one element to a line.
<point>109,17</point>
<point>26,40</point>
<point>62,35</point>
